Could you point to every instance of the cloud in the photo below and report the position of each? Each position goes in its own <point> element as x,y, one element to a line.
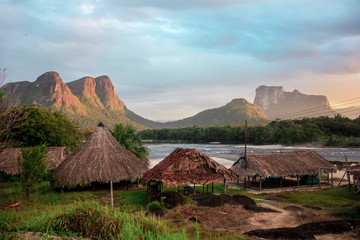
<point>195,54</point>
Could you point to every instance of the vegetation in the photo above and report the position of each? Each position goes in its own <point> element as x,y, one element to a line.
<point>42,126</point>
<point>80,213</point>
<point>33,167</point>
<point>329,131</point>
<point>128,138</point>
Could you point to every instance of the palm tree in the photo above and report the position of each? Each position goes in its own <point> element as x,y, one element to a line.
<point>128,138</point>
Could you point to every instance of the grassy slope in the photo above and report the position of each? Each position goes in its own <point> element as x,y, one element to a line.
<point>49,211</point>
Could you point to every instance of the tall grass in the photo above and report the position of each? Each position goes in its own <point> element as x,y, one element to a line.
<point>91,220</point>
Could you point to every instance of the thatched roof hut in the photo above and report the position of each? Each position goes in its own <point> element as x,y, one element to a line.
<point>275,164</point>
<point>188,166</point>
<point>100,159</point>
<point>9,159</point>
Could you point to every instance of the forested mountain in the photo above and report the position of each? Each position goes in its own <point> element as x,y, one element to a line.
<point>233,113</point>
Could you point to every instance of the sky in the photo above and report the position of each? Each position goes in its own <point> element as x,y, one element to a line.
<point>170,59</point>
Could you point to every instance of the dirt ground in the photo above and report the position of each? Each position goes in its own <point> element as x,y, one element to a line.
<point>238,220</point>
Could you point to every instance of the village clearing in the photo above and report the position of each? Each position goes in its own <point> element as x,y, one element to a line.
<point>226,221</point>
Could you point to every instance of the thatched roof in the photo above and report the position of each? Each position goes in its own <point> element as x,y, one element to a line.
<point>281,164</point>
<point>188,166</point>
<point>9,159</point>
<point>100,159</point>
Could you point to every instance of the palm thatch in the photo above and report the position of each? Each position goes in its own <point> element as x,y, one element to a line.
<point>282,164</point>
<point>188,166</point>
<point>9,159</point>
<point>101,159</point>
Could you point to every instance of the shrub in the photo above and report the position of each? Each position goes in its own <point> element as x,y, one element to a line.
<point>91,220</point>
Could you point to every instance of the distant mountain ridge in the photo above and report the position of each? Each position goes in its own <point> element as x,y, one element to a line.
<point>277,103</point>
<point>85,101</point>
<point>233,113</point>
<point>88,100</point>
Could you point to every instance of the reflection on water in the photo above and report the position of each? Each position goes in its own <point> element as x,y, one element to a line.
<point>232,152</point>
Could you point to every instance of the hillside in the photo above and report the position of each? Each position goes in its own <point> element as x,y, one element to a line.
<point>233,113</point>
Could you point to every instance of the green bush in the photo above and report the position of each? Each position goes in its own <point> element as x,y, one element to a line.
<point>155,204</point>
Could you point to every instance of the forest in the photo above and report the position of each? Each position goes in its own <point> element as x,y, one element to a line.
<point>326,131</point>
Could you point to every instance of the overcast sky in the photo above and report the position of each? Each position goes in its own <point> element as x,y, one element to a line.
<point>171,59</point>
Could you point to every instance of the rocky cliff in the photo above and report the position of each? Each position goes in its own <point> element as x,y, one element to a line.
<point>277,103</point>
<point>85,101</point>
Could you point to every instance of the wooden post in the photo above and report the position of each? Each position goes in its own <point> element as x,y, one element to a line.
<point>224,186</point>
<point>327,177</point>
<point>312,180</point>
<point>203,188</point>
<point>332,179</point>
<point>319,178</point>
<point>212,187</point>
<point>194,189</point>
<point>207,188</point>
<point>260,183</point>
<point>297,179</point>
<point>244,182</point>
<point>111,194</point>
<point>348,175</point>
<point>280,182</point>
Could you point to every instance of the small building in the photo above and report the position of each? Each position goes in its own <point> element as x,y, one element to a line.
<point>9,159</point>
<point>101,159</point>
<point>282,164</point>
<point>184,166</point>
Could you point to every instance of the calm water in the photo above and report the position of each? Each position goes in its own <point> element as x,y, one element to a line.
<point>228,153</point>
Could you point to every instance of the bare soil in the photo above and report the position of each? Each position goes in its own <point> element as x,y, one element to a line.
<point>286,219</point>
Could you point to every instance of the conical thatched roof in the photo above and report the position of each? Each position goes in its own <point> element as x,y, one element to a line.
<point>9,159</point>
<point>282,164</point>
<point>100,159</point>
<point>188,166</point>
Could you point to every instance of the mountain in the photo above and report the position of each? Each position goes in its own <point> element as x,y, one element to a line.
<point>85,101</point>
<point>233,113</point>
<point>277,103</point>
<point>88,100</point>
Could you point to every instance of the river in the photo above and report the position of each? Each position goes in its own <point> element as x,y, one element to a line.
<point>226,154</point>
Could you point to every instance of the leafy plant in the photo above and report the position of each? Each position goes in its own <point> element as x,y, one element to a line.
<point>33,167</point>
<point>128,138</point>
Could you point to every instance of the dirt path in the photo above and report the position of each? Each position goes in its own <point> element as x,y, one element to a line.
<point>264,220</point>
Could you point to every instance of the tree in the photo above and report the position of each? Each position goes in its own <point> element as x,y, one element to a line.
<point>129,139</point>
<point>9,113</point>
<point>42,126</point>
<point>33,167</point>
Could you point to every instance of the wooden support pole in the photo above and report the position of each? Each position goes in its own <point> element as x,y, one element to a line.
<point>280,182</point>
<point>194,189</point>
<point>297,179</point>
<point>332,178</point>
<point>327,177</point>
<point>319,179</point>
<point>203,188</point>
<point>244,182</point>
<point>260,183</point>
<point>348,175</point>
<point>111,194</point>
<point>224,186</point>
<point>207,188</point>
<point>212,187</point>
<point>312,180</point>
